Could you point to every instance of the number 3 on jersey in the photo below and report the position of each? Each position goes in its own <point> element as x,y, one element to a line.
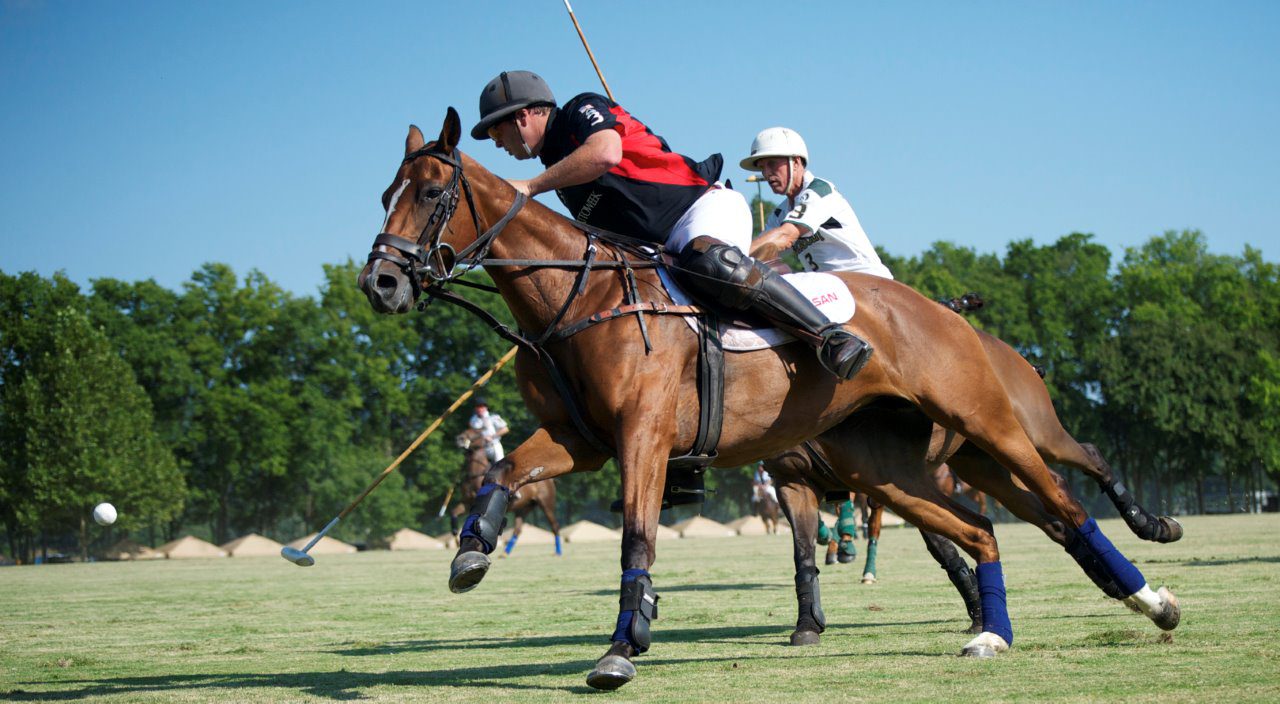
<point>813,266</point>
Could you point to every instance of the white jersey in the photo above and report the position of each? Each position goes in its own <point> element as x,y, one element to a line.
<point>489,425</point>
<point>831,237</point>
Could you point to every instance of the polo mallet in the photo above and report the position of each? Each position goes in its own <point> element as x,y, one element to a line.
<point>445,506</point>
<point>301,558</point>
<point>587,46</point>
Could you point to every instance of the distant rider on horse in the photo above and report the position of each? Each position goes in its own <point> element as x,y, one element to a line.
<point>762,483</point>
<point>491,427</point>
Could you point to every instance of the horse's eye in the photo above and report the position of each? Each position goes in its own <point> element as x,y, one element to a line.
<point>432,193</point>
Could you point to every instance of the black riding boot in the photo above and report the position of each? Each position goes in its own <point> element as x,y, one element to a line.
<point>722,274</point>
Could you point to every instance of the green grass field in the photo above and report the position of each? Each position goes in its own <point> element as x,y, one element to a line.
<point>382,626</point>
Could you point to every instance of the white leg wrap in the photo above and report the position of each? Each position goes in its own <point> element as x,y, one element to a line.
<point>1146,601</point>
<point>985,645</point>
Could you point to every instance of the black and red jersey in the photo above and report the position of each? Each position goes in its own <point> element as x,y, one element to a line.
<point>647,192</point>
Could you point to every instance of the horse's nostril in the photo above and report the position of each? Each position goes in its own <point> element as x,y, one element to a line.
<point>385,281</point>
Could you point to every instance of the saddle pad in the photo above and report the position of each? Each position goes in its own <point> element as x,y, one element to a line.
<point>826,291</point>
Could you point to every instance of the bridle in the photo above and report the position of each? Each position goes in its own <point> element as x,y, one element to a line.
<point>440,264</point>
<point>430,256</point>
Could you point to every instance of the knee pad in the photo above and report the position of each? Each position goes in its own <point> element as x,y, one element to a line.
<point>719,273</point>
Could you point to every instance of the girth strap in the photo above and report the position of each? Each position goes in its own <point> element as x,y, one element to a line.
<point>821,464</point>
<point>710,398</point>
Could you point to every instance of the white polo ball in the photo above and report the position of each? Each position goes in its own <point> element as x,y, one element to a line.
<point>104,514</point>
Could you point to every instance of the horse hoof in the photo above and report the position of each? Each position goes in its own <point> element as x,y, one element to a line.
<point>986,645</point>
<point>1172,528</point>
<point>1170,613</point>
<point>831,559</point>
<point>981,650</point>
<point>974,628</point>
<point>805,638</point>
<point>846,559</point>
<point>467,570</point>
<point>868,578</point>
<point>611,672</point>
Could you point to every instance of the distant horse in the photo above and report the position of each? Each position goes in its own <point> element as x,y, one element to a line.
<point>766,507</point>
<point>608,364</point>
<point>878,439</point>
<point>476,462</point>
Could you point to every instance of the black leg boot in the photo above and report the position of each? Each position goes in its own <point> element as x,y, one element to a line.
<point>721,273</point>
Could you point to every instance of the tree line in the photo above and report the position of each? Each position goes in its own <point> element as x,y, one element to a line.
<point>232,405</point>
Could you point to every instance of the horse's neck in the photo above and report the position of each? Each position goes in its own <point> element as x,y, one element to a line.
<point>535,294</point>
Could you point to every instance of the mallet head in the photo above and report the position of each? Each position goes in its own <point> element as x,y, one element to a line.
<point>297,556</point>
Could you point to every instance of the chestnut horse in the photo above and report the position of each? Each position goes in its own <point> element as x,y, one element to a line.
<point>474,465</point>
<point>799,493</point>
<point>627,388</point>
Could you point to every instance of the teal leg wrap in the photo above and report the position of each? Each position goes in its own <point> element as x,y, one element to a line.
<point>871,557</point>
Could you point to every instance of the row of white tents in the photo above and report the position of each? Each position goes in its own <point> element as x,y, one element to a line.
<point>254,545</point>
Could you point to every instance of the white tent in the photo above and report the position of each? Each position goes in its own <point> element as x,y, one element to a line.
<point>190,547</point>
<point>252,545</point>
<point>753,525</point>
<point>126,549</point>
<point>410,539</point>
<point>531,535</point>
<point>448,540</point>
<point>665,533</point>
<point>588,532</point>
<point>703,527</point>
<point>326,546</point>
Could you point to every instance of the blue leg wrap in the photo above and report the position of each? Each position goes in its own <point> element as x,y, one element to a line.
<point>488,516</point>
<point>511,544</point>
<point>1114,563</point>
<point>636,608</point>
<point>995,610</point>
<point>558,545</point>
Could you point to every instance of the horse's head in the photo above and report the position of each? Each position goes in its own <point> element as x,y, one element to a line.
<point>417,240</point>
<point>470,439</point>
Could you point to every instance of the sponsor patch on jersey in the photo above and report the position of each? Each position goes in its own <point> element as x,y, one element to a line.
<point>590,112</point>
<point>806,242</point>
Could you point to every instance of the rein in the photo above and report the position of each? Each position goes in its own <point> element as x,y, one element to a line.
<point>431,265</point>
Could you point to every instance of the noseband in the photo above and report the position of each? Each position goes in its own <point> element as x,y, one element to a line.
<point>430,256</point>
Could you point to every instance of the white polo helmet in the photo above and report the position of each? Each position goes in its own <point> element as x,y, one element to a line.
<point>775,141</point>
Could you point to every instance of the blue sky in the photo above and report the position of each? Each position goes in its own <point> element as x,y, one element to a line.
<point>142,139</point>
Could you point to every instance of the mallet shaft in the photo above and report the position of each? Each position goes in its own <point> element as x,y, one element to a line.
<point>587,46</point>
<point>430,429</point>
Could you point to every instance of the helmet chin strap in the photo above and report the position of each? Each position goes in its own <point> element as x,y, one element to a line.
<point>528,153</point>
<point>791,179</point>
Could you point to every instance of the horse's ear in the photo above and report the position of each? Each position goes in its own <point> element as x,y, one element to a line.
<point>451,132</point>
<point>414,141</point>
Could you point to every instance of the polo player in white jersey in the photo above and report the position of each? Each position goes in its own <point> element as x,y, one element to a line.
<point>816,222</point>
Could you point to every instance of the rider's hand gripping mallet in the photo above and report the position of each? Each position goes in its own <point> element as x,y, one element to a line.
<point>300,557</point>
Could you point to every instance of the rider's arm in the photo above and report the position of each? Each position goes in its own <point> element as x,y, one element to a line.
<point>770,244</point>
<point>599,153</point>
